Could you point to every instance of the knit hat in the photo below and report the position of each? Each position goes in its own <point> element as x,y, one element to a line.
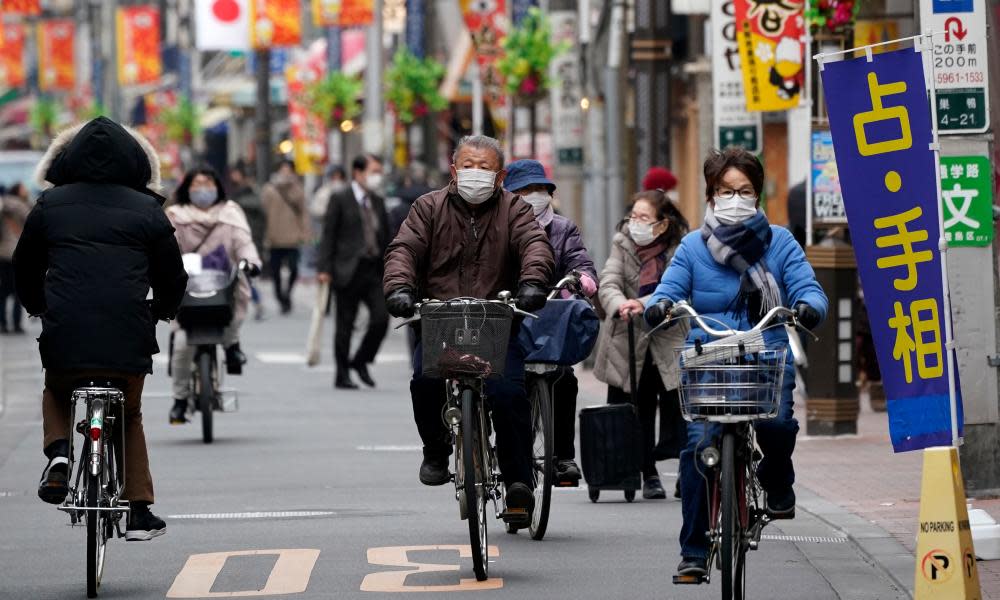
<point>659,178</point>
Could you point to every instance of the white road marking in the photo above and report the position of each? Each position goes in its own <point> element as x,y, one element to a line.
<point>281,514</point>
<point>389,448</point>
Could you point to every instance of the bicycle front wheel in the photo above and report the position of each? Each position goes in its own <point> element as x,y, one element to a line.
<point>206,395</point>
<point>542,451</point>
<point>731,553</point>
<point>474,467</point>
<point>97,530</point>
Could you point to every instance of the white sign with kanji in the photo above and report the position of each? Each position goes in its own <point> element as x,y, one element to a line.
<point>733,124</point>
<point>960,63</point>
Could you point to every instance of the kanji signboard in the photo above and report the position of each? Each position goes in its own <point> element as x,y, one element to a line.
<point>734,124</point>
<point>881,126</point>
<point>967,200</point>
<point>960,55</point>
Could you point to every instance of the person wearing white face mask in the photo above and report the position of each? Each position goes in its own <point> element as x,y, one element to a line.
<point>355,236</point>
<point>526,179</point>
<point>640,253</point>
<point>473,239</point>
<point>733,271</point>
<point>207,223</point>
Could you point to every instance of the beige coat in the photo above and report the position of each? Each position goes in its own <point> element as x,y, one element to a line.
<point>223,224</point>
<point>12,217</point>
<point>288,224</point>
<point>620,282</point>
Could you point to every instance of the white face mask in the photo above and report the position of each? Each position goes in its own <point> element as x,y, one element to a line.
<point>476,186</point>
<point>734,210</point>
<point>641,233</point>
<point>203,197</point>
<point>373,182</point>
<point>539,201</point>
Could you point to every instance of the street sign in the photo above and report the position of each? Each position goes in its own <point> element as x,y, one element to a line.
<point>733,124</point>
<point>967,200</point>
<point>960,70</point>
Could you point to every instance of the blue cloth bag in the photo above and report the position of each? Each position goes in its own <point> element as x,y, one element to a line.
<point>564,333</point>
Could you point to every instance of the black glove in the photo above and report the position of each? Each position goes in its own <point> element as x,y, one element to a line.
<point>656,313</point>
<point>807,315</point>
<point>401,303</point>
<point>530,297</point>
<point>252,270</point>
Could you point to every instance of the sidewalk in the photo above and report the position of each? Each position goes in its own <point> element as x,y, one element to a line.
<point>858,485</point>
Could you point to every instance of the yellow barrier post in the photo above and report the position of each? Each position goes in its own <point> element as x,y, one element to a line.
<point>946,561</point>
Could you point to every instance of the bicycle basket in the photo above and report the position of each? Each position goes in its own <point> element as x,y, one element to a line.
<point>464,338</point>
<point>730,383</point>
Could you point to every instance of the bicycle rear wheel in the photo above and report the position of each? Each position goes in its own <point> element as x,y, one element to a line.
<point>731,544</point>
<point>206,395</point>
<point>543,449</point>
<point>474,468</point>
<point>97,530</point>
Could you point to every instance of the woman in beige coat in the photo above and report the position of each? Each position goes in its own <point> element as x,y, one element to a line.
<point>640,253</point>
<point>206,223</point>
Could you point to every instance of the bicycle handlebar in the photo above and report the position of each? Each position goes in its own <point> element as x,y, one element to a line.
<point>683,310</point>
<point>571,279</point>
<point>504,297</point>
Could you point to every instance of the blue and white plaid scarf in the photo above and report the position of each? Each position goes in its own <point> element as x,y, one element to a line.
<point>742,246</point>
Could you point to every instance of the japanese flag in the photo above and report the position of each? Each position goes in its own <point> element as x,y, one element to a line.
<point>222,24</point>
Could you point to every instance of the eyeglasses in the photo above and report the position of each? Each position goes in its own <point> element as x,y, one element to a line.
<point>744,194</point>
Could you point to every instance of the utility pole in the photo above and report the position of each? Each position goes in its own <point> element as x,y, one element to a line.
<point>651,52</point>
<point>614,112</point>
<point>112,93</point>
<point>262,120</point>
<point>567,127</point>
<point>372,128</point>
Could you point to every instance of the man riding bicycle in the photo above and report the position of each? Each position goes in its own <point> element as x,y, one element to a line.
<point>733,271</point>
<point>472,239</point>
<point>91,249</point>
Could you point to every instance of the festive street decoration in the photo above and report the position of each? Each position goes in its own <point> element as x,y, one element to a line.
<point>138,45</point>
<point>488,24</point>
<point>275,23</point>
<point>412,86</point>
<point>12,71</point>
<point>44,118</point>
<point>56,69</point>
<point>528,50</point>
<point>833,15</point>
<point>356,13</point>
<point>335,98</point>
<point>27,8</point>
<point>770,38</point>
<point>181,122</point>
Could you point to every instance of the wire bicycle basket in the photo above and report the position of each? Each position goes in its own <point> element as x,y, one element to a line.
<point>729,383</point>
<point>465,338</point>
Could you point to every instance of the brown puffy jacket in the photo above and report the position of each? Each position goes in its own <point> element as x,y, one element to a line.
<point>448,248</point>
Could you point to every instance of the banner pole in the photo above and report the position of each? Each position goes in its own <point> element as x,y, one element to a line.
<point>808,102</point>
<point>926,42</point>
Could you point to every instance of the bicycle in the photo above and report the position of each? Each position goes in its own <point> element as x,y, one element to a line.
<point>464,342</point>
<point>540,379</point>
<point>205,312</point>
<point>95,496</point>
<point>734,380</point>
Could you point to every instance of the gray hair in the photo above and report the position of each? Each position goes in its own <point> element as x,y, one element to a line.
<point>481,142</point>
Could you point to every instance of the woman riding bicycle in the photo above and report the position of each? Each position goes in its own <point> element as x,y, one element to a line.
<point>526,179</point>
<point>734,270</point>
<point>208,224</point>
<point>640,253</point>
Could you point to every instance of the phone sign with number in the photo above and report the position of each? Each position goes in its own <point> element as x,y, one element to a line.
<point>960,69</point>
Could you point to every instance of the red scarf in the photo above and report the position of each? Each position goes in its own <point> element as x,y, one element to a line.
<point>653,261</point>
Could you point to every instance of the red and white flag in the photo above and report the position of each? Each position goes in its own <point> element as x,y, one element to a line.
<point>222,24</point>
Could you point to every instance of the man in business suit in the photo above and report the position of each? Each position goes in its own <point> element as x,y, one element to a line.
<point>355,236</point>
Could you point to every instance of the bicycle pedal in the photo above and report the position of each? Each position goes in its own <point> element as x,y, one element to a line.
<point>688,580</point>
<point>518,517</point>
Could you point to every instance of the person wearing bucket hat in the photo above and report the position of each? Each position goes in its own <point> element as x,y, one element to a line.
<point>526,179</point>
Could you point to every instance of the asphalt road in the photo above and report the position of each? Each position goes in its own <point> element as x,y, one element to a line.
<point>314,493</point>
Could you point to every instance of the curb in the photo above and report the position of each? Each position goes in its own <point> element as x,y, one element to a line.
<point>876,544</point>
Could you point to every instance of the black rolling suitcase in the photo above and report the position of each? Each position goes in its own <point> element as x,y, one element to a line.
<point>611,441</point>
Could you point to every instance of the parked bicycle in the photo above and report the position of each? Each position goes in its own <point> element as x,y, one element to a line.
<point>464,341</point>
<point>544,366</point>
<point>734,380</point>
<point>94,498</point>
<point>204,314</point>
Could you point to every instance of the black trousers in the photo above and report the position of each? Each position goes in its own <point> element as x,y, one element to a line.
<point>510,414</point>
<point>365,287</point>
<point>564,393</point>
<point>7,290</point>
<point>284,257</point>
<point>673,428</point>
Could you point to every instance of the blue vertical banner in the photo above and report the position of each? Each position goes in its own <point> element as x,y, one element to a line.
<point>415,27</point>
<point>882,133</point>
<point>519,9</point>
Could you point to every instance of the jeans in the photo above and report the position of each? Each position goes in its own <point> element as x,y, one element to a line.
<point>776,438</point>
<point>510,410</point>
<point>289,257</point>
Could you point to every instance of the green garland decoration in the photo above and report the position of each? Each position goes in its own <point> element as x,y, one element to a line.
<point>44,116</point>
<point>335,98</point>
<point>528,51</point>
<point>411,86</point>
<point>181,122</point>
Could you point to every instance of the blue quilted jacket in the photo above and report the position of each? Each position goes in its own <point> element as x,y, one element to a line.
<point>710,288</point>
